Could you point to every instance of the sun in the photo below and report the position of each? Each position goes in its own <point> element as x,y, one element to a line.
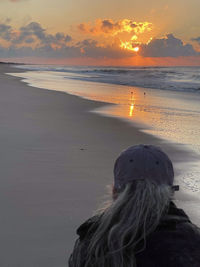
<point>129,46</point>
<point>136,49</point>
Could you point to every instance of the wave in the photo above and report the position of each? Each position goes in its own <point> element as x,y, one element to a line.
<point>163,78</point>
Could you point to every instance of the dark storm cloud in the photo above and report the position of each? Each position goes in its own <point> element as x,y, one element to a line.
<point>169,46</point>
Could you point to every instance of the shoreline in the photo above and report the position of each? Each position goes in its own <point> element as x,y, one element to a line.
<point>57,160</point>
<point>98,109</point>
<point>116,83</point>
<point>179,112</point>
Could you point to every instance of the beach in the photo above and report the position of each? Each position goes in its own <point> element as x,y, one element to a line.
<point>56,162</point>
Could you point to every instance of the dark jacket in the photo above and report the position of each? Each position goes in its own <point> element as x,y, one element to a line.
<point>174,243</point>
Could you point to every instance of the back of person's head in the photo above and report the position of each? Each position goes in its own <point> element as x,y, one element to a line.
<point>142,163</point>
<point>143,188</point>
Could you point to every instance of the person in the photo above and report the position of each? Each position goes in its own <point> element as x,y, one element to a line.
<point>141,226</point>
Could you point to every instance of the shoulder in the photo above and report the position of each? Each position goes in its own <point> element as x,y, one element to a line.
<point>177,236</point>
<point>84,232</point>
<point>175,242</point>
<point>178,231</point>
<point>88,227</point>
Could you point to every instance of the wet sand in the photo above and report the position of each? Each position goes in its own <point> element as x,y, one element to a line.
<point>56,160</point>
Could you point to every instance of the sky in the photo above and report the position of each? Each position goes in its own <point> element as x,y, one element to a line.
<point>91,32</point>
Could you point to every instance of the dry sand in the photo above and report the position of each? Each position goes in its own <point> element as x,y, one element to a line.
<point>56,160</point>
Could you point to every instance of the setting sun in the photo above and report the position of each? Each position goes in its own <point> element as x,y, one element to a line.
<point>136,49</point>
<point>129,46</point>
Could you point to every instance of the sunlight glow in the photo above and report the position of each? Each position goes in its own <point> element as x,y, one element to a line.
<point>134,38</point>
<point>132,105</point>
<point>131,109</point>
<point>136,49</point>
<point>129,46</point>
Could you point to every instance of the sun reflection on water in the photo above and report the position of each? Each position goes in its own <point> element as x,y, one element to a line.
<point>132,106</point>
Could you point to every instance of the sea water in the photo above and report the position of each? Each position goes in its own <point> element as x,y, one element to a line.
<point>163,101</point>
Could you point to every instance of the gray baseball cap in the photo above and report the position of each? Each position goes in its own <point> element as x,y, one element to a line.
<point>141,162</point>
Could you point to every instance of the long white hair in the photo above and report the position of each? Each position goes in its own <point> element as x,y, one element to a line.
<point>125,224</point>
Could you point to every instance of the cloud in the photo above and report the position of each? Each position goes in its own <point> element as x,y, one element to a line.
<point>33,40</point>
<point>5,32</point>
<point>85,48</point>
<point>32,33</point>
<point>168,46</point>
<point>45,51</point>
<point>109,27</point>
<point>197,39</point>
<point>91,48</point>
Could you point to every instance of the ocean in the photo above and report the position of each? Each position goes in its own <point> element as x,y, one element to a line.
<point>163,101</point>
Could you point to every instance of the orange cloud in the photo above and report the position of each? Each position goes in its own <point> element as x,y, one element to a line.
<point>109,27</point>
<point>33,40</point>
